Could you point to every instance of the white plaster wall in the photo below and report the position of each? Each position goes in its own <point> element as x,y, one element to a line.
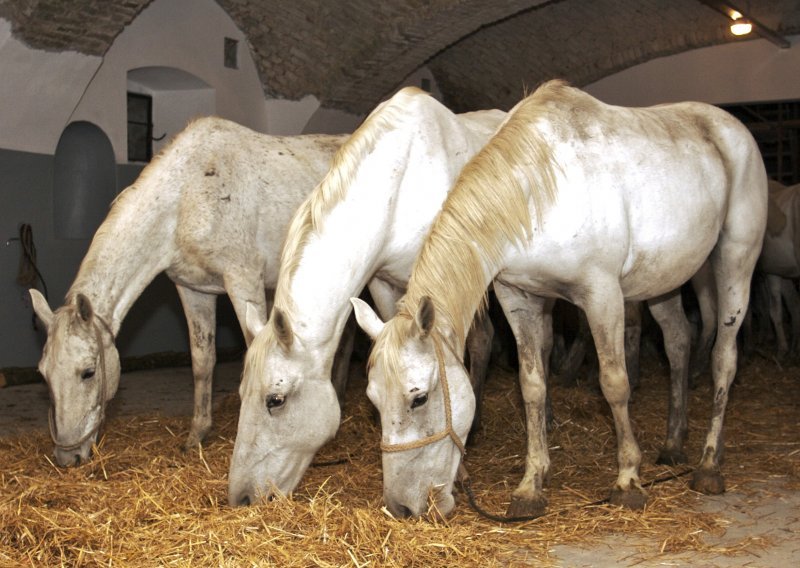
<point>185,34</point>
<point>38,91</point>
<point>745,71</point>
<point>173,110</point>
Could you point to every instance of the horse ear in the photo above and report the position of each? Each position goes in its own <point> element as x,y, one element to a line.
<point>41,307</point>
<point>367,319</point>
<point>426,317</point>
<point>253,322</point>
<point>84,306</point>
<point>283,329</point>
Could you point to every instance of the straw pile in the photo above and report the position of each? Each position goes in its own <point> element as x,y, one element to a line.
<point>142,501</point>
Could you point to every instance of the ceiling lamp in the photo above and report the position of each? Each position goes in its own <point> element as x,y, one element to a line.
<point>741,25</point>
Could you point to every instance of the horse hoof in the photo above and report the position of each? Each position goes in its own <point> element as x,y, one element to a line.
<point>520,507</point>
<point>635,498</point>
<point>671,457</point>
<point>708,482</point>
<point>192,443</point>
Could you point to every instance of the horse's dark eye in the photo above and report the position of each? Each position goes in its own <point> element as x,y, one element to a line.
<point>419,401</point>
<point>275,401</point>
<point>87,374</point>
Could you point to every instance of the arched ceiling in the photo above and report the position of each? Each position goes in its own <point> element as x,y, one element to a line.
<point>351,54</point>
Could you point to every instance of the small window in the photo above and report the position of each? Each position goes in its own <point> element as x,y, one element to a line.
<point>140,127</point>
<point>231,53</point>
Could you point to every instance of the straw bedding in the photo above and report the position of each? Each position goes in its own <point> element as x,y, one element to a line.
<point>143,502</point>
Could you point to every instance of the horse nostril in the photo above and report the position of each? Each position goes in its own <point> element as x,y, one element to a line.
<point>77,460</point>
<point>270,498</point>
<point>244,501</point>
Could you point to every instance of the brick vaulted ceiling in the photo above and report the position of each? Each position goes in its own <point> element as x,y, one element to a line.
<point>351,54</point>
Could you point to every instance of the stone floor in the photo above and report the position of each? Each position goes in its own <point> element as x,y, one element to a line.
<point>770,514</point>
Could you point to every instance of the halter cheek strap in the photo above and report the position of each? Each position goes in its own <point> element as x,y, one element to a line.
<point>448,413</point>
<point>101,391</point>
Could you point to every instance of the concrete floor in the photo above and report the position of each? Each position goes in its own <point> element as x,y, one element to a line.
<point>772,513</point>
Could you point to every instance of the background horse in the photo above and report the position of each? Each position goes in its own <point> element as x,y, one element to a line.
<point>211,210</point>
<point>780,262</point>
<point>583,201</point>
<point>363,225</point>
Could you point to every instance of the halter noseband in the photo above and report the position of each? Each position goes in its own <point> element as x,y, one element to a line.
<point>101,391</point>
<point>448,413</point>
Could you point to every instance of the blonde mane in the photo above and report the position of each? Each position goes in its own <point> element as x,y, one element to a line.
<point>328,193</point>
<point>487,209</point>
<point>333,187</point>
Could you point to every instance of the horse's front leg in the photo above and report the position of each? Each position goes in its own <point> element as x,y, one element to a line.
<point>479,347</point>
<point>201,316</point>
<point>605,311</point>
<point>668,312</point>
<point>530,318</point>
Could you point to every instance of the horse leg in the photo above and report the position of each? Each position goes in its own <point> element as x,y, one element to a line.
<point>341,360</point>
<point>776,313</point>
<point>606,314</point>
<point>530,318</point>
<point>703,285</point>
<point>733,263</point>
<point>241,292</point>
<point>668,312</point>
<point>201,316</point>
<point>633,341</point>
<point>571,364</point>
<point>792,301</point>
<point>479,347</point>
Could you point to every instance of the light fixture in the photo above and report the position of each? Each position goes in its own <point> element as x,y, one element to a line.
<point>741,25</point>
<point>744,21</point>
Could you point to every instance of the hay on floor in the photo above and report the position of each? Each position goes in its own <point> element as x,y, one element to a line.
<point>142,501</point>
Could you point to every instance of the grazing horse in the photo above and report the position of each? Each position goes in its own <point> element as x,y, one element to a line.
<point>587,202</point>
<point>362,226</point>
<point>211,210</point>
<point>780,261</point>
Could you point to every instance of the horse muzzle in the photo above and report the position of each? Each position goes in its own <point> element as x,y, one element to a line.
<point>67,456</point>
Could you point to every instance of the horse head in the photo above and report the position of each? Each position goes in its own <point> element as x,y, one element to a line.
<point>426,403</point>
<point>81,367</point>
<point>289,411</point>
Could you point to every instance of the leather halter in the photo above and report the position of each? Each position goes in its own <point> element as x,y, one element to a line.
<point>103,378</point>
<point>448,413</point>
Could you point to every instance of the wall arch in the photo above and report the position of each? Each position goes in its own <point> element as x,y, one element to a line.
<point>84,180</point>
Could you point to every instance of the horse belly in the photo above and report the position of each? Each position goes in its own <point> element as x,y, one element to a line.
<point>778,257</point>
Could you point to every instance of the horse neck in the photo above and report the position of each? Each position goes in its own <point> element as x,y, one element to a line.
<point>377,222</point>
<point>129,249</point>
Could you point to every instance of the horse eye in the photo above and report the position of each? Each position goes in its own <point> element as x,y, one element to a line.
<point>87,374</point>
<point>275,401</point>
<point>419,401</point>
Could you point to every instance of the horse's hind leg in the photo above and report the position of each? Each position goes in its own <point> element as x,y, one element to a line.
<point>703,285</point>
<point>733,264</point>
<point>668,312</point>
<point>530,318</point>
<point>604,309</point>
<point>633,341</point>
<point>201,316</point>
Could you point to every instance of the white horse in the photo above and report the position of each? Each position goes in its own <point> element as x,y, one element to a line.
<point>363,225</point>
<point>578,200</point>
<point>212,211</point>
<point>780,261</point>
